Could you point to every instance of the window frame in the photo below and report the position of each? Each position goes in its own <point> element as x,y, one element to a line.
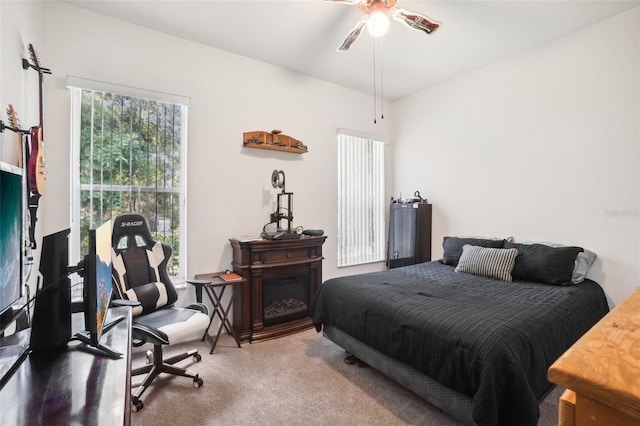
<point>76,86</point>
<point>379,211</point>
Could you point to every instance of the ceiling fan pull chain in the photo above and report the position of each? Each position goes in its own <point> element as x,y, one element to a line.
<point>381,81</point>
<point>375,112</point>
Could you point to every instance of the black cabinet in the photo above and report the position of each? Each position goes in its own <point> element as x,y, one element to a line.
<point>409,234</point>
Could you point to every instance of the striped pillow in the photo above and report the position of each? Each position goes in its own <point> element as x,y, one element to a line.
<point>487,262</point>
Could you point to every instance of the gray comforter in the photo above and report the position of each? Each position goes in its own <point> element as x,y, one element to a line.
<point>489,339</point>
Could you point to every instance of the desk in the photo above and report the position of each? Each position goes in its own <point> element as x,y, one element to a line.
<point>72,386</point>
<point>210,282</point>
<point>601,371</point>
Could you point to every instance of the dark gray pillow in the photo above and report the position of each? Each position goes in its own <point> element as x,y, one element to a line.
<point>544,264</point>
<point>453,247</point>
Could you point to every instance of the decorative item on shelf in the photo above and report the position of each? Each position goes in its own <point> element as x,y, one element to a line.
<point>254,140</point>
<point>278,181</point>
<point>274,140</point>
<point>418,197</point>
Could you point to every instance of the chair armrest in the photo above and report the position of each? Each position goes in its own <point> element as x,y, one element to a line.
<point>199,285</point>
<point>149,335</point>
<point>123,302</point>
<point>198,307</point>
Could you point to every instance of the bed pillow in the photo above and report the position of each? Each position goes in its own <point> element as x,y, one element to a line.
<point>583,263</point>
<point>487,262</point>
<point>581,266</point>
<point>453,247</point>
<point>544,264</point>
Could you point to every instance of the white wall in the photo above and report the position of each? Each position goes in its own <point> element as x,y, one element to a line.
<point>20,24</point>
<point>229,191</point>
<point>541,146</point>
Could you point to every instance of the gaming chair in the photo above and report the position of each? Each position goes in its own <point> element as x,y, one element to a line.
<point>139,271</point>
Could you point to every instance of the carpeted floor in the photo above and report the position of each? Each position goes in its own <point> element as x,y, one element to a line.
<point>300,379</point>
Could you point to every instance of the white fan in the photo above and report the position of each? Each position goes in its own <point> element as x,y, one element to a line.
<point>377,19</point>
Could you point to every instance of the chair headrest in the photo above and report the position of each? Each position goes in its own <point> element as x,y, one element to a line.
<point>130,225</point>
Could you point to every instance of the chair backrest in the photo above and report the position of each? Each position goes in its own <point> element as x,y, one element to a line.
<point>139,264</point>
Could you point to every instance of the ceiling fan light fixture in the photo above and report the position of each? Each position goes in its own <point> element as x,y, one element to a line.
<point>378,23</point>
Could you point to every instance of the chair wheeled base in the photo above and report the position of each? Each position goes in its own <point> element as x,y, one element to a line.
<point>158,366</point>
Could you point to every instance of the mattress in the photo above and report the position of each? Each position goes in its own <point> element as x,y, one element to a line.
<point>488,339</point>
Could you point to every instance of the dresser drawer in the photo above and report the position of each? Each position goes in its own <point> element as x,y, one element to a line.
<point>283,255</point>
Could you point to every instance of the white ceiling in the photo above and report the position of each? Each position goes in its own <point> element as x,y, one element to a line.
<point>302,35</point>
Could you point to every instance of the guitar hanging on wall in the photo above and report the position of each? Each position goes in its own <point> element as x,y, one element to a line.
<point>21,134</point>
<point>36,167</point>
<point>12,115</point>
<point>37,171</point>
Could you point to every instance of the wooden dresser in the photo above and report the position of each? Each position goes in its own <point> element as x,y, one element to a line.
<point>601,371</point>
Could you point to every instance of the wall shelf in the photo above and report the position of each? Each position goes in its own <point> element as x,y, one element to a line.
<point>274,141</point>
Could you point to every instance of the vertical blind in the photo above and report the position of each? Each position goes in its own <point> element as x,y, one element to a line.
<point>361,199</point>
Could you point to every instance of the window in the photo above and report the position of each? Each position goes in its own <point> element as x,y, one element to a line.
<point>361,199</point>
<point>128,156</point>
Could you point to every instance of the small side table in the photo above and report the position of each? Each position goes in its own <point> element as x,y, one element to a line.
<point>210,282</point>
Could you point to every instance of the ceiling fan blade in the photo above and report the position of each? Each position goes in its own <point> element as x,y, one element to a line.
<point>353,35</point>
<point>414,20</point>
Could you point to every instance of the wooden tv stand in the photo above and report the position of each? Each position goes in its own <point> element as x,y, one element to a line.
<point>263,262</point>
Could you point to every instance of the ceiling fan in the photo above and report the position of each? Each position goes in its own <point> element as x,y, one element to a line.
<point>377,19</point>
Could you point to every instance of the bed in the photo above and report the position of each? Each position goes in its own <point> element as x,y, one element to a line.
<point>476,346</point>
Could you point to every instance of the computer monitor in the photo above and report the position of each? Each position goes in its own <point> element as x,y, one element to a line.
<point>97,280</point>
<point>97,290</point>
<point>11,238</point>
<point>51,328</point>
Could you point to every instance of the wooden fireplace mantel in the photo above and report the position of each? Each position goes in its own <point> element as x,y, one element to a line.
<point>264,260</point>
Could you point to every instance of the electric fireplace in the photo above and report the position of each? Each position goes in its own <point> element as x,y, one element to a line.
<point>282,278</point>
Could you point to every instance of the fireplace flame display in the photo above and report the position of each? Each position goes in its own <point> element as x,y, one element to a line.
<point>281,308</point>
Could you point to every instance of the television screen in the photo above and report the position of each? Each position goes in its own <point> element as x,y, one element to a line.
<point>10,236</point>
